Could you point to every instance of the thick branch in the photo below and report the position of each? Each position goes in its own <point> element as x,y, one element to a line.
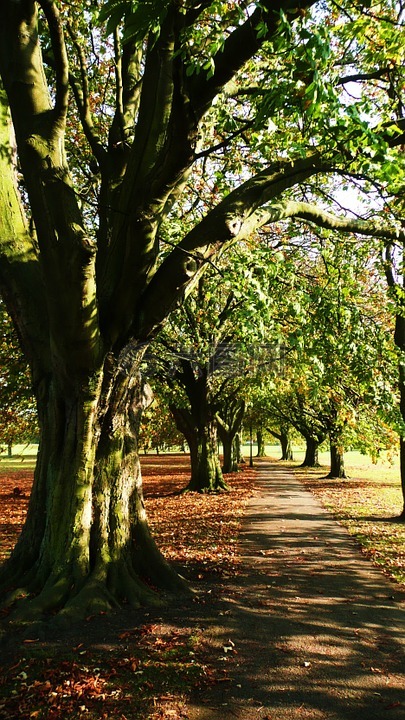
<point>240,46</point>
<point>238,215</point>
<point>322,218</point>
<point>82,98</point>
<point>61,60</point>
<point>20,276</point>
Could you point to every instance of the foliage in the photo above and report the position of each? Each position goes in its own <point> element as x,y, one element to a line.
<point>157,430</point>
<point>338,372</point>
<point>18,419</point>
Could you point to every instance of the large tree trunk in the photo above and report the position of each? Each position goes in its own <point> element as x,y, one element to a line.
<point>201,436</point>
<point>311,453</point>
<point>337,465</point>
<point>206,473</point>
<point>86,545</point>
<point>229,422</point>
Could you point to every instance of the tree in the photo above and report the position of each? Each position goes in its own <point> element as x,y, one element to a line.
<point>335,375</point>
<point>203,357</point>
<point>86,196</point>
<point>395,281</point>
<point>284,437</point>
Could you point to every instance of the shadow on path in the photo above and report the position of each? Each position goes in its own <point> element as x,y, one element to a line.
<point>310,629</point>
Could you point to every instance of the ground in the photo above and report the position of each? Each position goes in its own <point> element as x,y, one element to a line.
<point>288,620</point>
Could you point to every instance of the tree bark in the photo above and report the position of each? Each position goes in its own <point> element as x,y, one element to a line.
<point>201,436</point>
<point>286,447</point>
<point>396,284</point>
<point>230,462</point>
<point>261,452</point>
<point>400,341</point>
<point>311,453</point>
<point>229,423</point>
<point>337,466</point>
<point>85,546</point>
<point>206,473</point>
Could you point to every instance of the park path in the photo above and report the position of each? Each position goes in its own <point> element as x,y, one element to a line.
<point>311,629</point>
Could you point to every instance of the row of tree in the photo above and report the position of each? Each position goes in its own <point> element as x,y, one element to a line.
<point>301,342</point>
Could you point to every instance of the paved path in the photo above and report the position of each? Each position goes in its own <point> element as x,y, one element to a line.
<point>318,632</point>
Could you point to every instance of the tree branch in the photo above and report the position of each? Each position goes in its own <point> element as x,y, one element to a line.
<point>240,46</point>
<point>82,98</point>
<point>321,218</point>
<point>61,60</point>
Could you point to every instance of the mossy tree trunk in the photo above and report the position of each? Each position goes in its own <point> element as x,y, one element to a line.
<point>230,462</point>
<point>229,419</point>
<point>206,472</point>
<point>85,546</point>
<point>199,428</point>
<point>195,418</point>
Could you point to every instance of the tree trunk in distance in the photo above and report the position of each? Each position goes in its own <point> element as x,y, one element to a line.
<point>311,453</point>
<point>206,473</point>
<point>261,451</point>
<point>337,466</point>
<point>230,463</point>
<point>401,322</point>
<point>286,447</point>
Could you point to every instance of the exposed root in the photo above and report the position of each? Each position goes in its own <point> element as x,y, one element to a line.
<point>334,476</point>
<point>218,487</point>
<point>101,593</point>
<point>148,562</point>
<point>53,596</point>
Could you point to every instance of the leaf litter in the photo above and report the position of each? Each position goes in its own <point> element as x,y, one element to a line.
<point>151,669</point>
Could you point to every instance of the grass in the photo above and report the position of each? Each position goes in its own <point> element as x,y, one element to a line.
<point>368,504</point>
<point>23,457</point>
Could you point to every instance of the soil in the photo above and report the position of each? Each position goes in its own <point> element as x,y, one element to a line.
<point>308,629</point>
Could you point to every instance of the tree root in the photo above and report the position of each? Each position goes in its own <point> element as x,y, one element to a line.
<point>134,581</point>
<point>218,487</point>
<point>332,476</point>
